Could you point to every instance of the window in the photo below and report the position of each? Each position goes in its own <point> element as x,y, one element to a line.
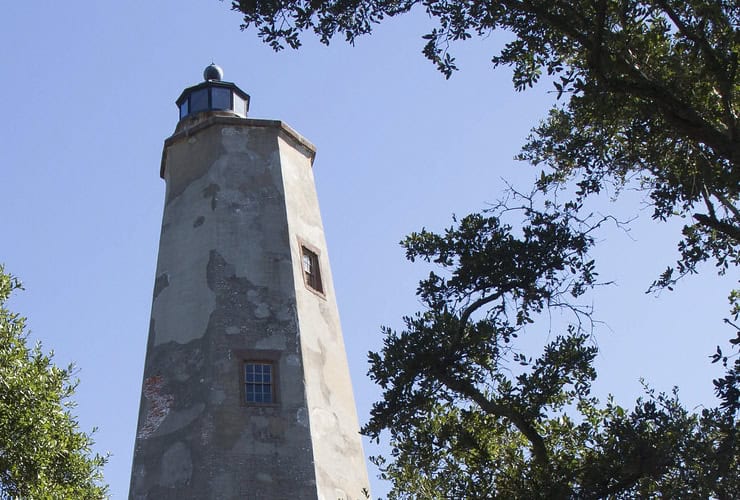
<point>258,374</point>
<point>199,101</point>
<point>311,270</point>
<point>220,98</point>
<point>184,109</point>
<point>259,382</point>
<point>240,106</point>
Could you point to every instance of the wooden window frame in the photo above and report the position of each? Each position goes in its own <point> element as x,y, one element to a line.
<point>259,376</point>
<point>313,281</point>
<point>259,357</point>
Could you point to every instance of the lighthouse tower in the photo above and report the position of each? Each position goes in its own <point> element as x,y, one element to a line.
<point>246,391</point>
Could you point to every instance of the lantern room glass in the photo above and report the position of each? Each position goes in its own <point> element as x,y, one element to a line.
<point>199,100</point>
<point>184,109</point>
<point>212,97</point>
<point>240,106</point>
<point>220,98</point>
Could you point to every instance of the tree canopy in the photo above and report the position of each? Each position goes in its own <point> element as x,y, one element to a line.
<point>648,97</point>
<point>472,413</point>
<point>43,453</point>
<point>649,87</point>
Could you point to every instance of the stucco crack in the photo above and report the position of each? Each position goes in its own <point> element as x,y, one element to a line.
<point>211,192</point>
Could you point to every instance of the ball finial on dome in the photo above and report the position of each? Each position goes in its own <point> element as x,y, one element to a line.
<point>213,72</point>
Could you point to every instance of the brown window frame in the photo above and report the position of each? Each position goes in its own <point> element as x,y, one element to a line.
<point>261,380</point>
<point>312,278</point>
<point>264,358</point>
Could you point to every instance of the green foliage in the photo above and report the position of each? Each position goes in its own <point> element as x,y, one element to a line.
<point>649,91</point>
<point>474,411</point>
<point>728,387</point>
<point>43,454</point>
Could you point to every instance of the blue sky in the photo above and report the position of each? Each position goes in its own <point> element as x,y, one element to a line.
<point>88,99</point>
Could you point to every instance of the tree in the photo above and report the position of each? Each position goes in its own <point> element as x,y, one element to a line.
<point>650,91</point>
<point>648,97</point>
<point>43,454</point>
<point>471,414</point>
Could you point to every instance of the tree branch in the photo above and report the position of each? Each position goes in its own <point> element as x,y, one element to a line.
<point>539,450</point>
<point>713,60</point>
<point>692,35</point>
<point>718,225</point>
<point>711,220</point>
<point>678,112</point>
<point>465,316</point>
<point>727,204</point>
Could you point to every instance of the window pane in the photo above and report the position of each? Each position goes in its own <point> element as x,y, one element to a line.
<point>220,98</point>
<point>184,109</point>
<point>258,382</point>
<point>199,100</point>
<point>240,106</point>
<point>311,270</point>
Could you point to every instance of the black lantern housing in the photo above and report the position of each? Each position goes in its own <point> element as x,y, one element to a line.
<point>213,95</point>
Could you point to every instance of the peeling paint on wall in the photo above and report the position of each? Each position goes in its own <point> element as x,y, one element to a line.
<point>162,282</point>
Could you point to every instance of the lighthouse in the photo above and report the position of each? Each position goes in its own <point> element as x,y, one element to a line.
<point>246,391</point>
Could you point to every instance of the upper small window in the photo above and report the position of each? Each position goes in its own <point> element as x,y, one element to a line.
<point>311,270</point>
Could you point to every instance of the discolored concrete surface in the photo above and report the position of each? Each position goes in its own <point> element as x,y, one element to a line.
<point>229,286</point>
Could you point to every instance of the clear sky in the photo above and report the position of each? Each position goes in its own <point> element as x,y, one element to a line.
<point>88,92</point>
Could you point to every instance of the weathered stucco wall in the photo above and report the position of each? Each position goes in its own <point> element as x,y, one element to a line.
<point>337,447</point>
<point>229,285</point>
<point>224,286</point>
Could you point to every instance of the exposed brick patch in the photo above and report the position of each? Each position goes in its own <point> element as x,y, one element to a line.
<point>159,406</point>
